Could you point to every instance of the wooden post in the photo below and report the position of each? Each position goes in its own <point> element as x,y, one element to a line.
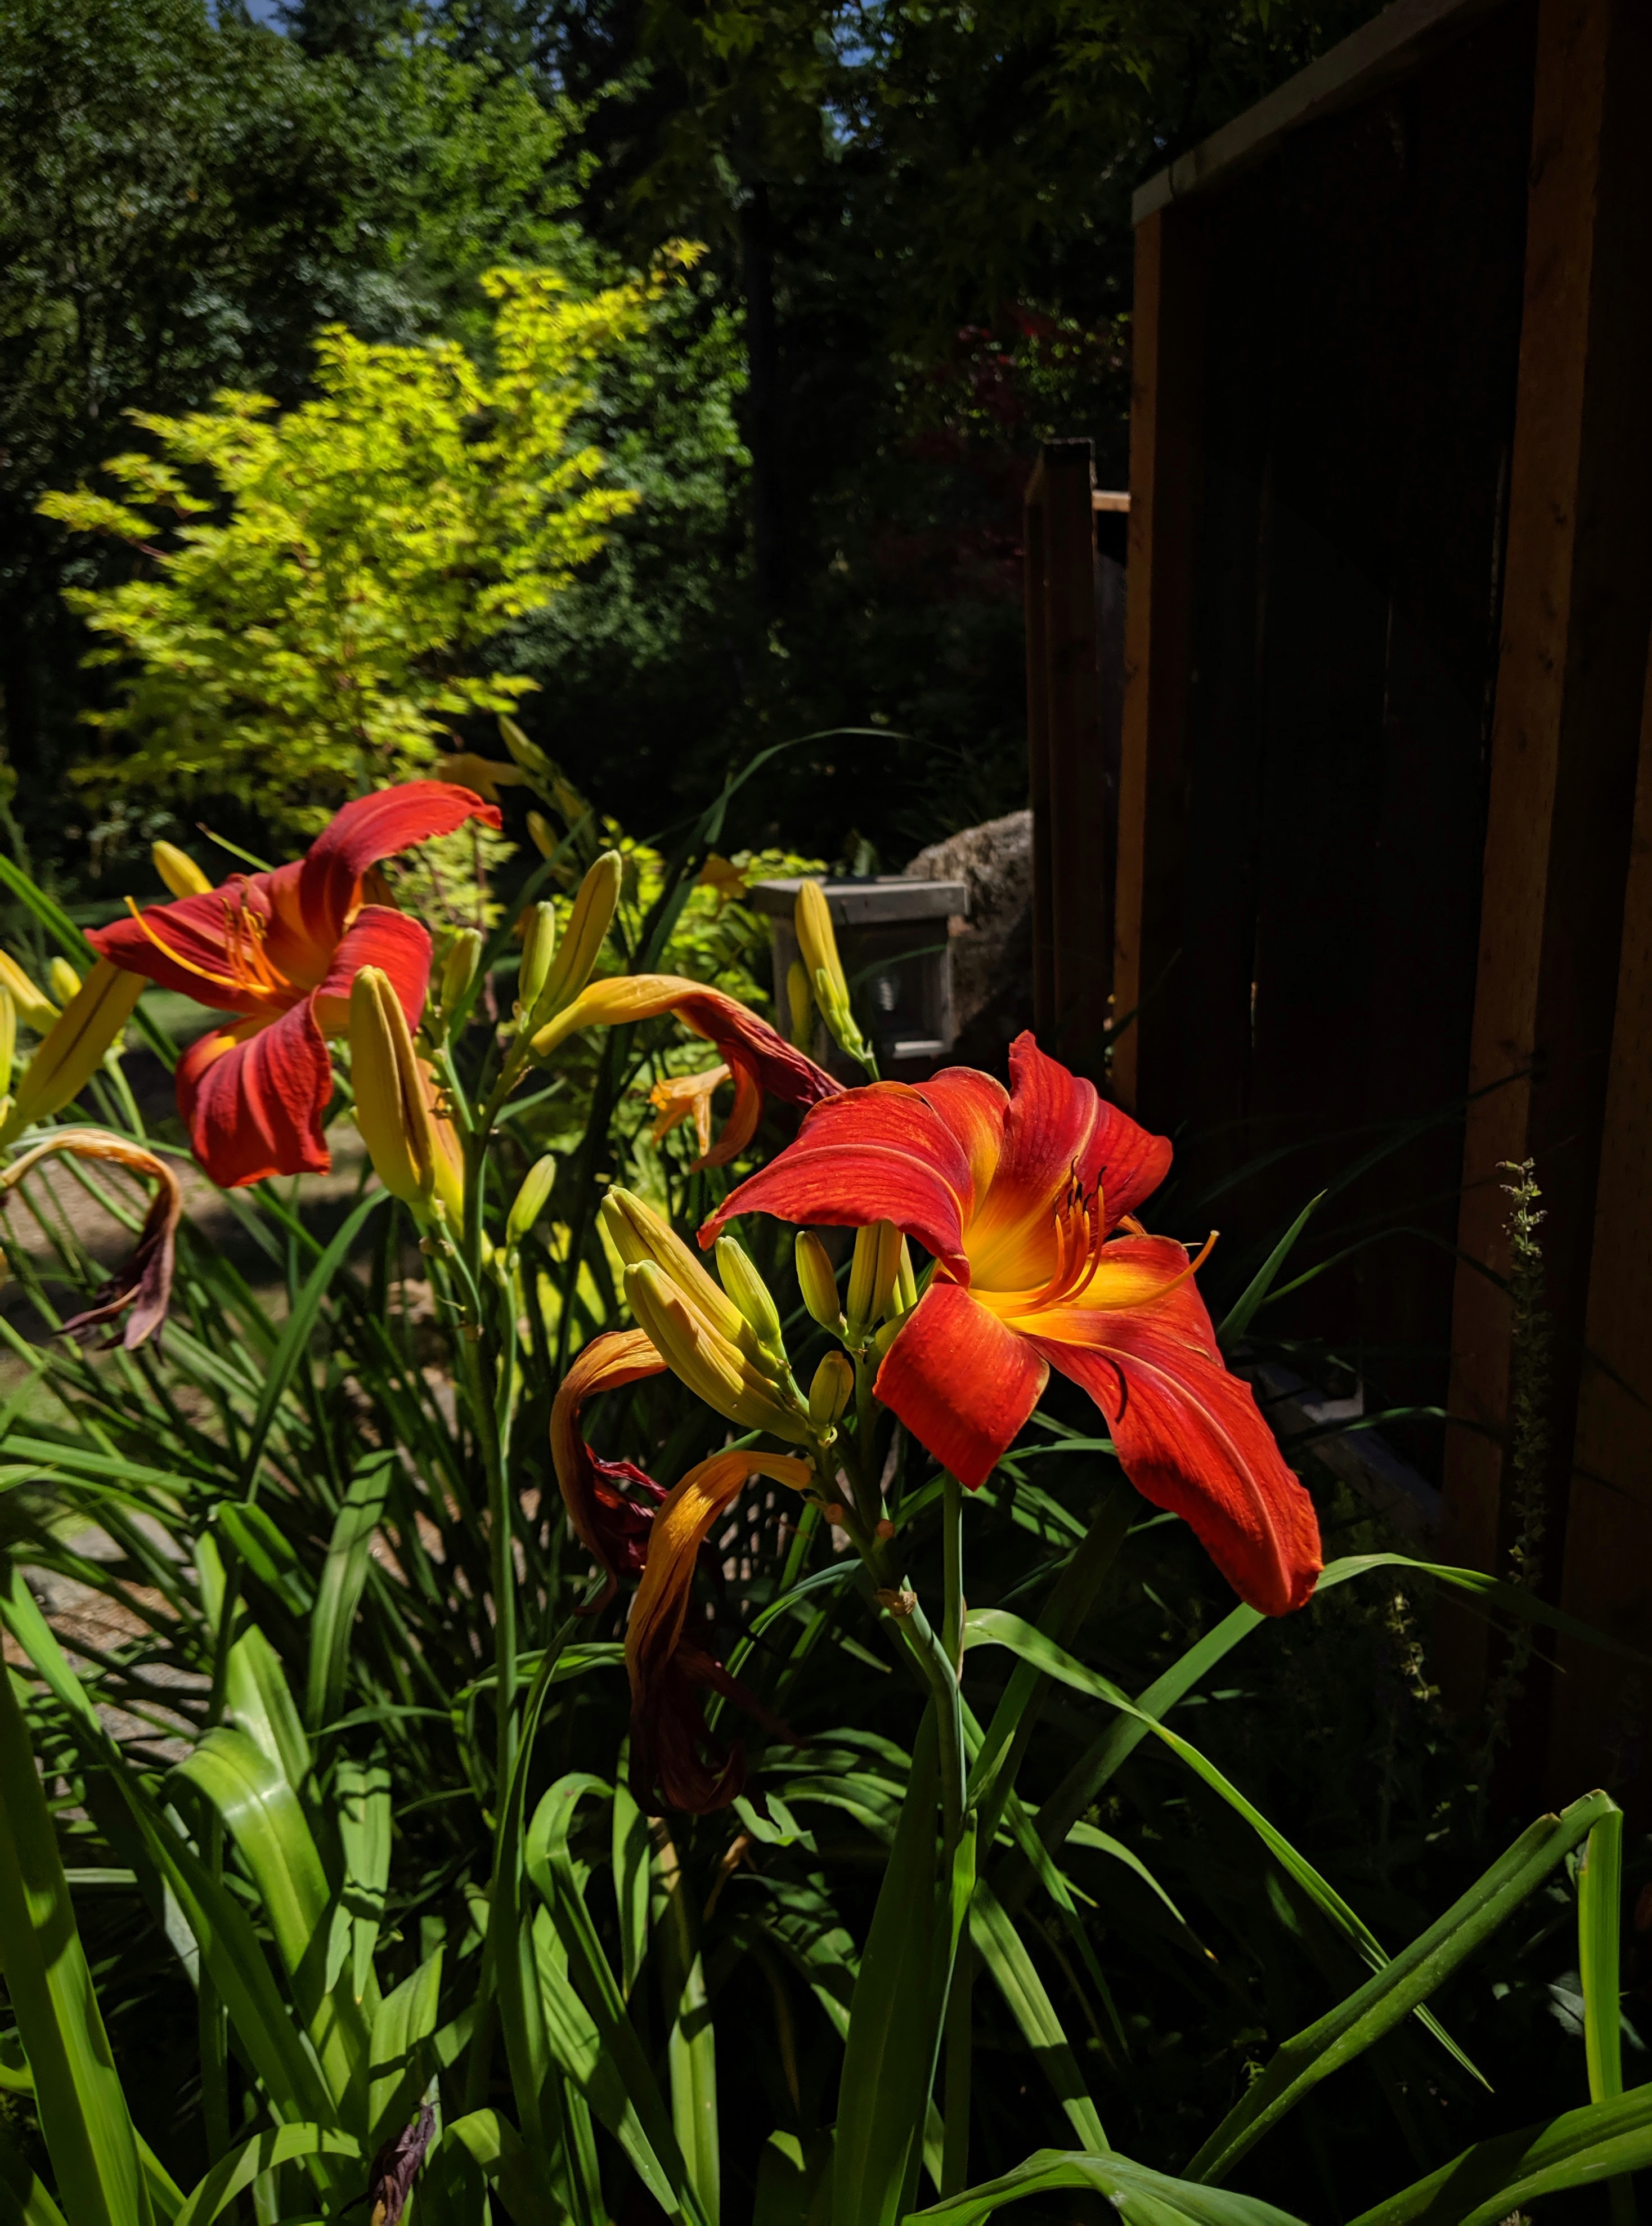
<point>1080,846</point>
<point>1576,596</point>
<point>1037,752</point>
<point>1602,1703</point>
<point>1148,915</point>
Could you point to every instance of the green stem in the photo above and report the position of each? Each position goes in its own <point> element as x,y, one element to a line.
<point>955,2149</point>
<point>952,1567</point>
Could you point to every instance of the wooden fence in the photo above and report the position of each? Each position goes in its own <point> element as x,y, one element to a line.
<point>1381,833</point>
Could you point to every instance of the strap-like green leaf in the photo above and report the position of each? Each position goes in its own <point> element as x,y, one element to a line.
<point>494,2144</point>
<point>232,2175</point>
<point>1496,2178</point>
<point>1139,2194</point>
<point>1004,1953</point>
<point>343,1576</point>
<point>78,2095</point>
<point>399,2074</point>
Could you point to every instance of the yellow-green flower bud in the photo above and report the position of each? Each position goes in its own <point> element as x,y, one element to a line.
<point>905,1282</point>
<point>392,1101</point>
<point>831,1390</point>
<point>178,870</point>
<point>459,969</point>
<point>639,1235</point>
<point>581,945</point>
<point>528,755</point>
<point>818,940</point>
<point>874,1271</point>
<point>66,983</point>
<point>801,1003</point>
<point>8,1038</point>
<point>752,1296</point>
<point>817,1282</point>
<point>34,1008</point>
<point>538,949</point>
<point>73,1046</point>
<point>713,1368</point>
<point>531,1199</point>
<point>542,834</point>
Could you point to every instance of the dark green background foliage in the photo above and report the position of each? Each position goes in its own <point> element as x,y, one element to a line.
<point>920,264</point>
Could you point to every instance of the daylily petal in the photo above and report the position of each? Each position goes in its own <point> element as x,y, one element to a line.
<point>740,1127</point>
<point>668,1730</point>
<point>617,1358</point>
<point>1127,1161</point>
<point>253,1102</point>
<point>200,947</point>
<point>376,937</point>
<point>371,828</point>
<point>849,1186</point>
<point>1048,1132</point>
<point>1190,1439</point>
<point>962,1382</point>
<point>738,1032</point>
<point>975,1108</point>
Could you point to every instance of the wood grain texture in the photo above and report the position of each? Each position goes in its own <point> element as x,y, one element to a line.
<point>1165,379</point>
<point>1565,738</point>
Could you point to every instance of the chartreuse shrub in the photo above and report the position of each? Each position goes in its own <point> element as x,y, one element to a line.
<point>633,1735</point>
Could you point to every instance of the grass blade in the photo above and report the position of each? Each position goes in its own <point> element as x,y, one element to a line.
<point>1239,1316</point>
<point>343,1576</point>
<point>232,2175</point>
<point>1140,2194</point>
<point>1496,2178</point>
<point>1002,1949</point>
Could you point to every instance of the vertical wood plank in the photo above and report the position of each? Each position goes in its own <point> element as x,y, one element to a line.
<point>1148,915</point>
<point>1037,753</point>
<point>1563,749</point>
<point>1598,1732</point>
<point>1080,838</point>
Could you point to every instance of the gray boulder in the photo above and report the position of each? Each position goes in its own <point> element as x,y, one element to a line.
<point>992,950</point>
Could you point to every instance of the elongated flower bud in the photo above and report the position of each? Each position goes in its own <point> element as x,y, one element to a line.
<point>713,1367</point>
<point>65,981</point>
<point>178,870</point>
<point>637,1234</point>
<point>531,1199</point>
<point>8,1038</point>
<point>817,1282</point>
<point>73,1048</point>
<point>872,1273</point>
<point>392,1099</point>
<point>818,940</point>
<point>906,1281</point>
<point>832,1389</point>
<point>751,1295</point>
<point>34,1008</point>
<point>538,949</point>
<point>459,969</point>
<point>542,834</point>
<point>586,931</point>
<point>528,755</point>
<point>801,1003</point>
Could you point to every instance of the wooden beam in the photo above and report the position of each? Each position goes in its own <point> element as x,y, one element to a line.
<point>1565,738</point>
<point>1166,384</point>
<point>1080,844</point>
<point>1380,52</point>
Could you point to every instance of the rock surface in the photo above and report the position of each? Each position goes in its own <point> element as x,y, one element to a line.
<point>992,950</point>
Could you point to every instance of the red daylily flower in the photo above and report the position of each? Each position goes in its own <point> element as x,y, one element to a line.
<point>757,1058</point>
<point>1018,1197</point>
<point>280,950</point>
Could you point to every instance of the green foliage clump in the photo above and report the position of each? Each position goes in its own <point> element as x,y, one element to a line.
<point>313,638</point>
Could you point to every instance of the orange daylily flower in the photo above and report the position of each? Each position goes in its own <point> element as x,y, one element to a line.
<point>280,951</point>
<point>1026,1199</point>
<point>682,1097</point>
